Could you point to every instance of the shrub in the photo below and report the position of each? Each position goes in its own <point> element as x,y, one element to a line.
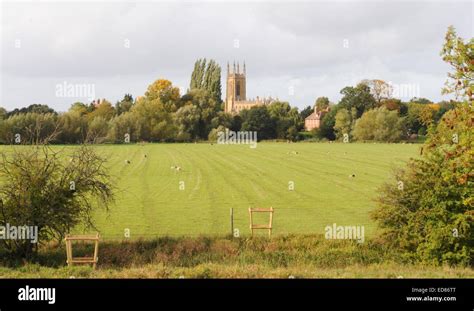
<point>428,210</point>
<point>42,188</point>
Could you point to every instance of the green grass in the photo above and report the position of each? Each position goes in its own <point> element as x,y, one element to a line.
<point>150,203</point>
<point>182,233</point>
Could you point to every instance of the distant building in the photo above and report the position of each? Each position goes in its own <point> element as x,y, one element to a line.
<point>98,102</point>
<point>236,92</point>
<point>314,120</point>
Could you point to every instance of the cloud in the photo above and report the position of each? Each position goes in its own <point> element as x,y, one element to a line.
<point>314,48</point>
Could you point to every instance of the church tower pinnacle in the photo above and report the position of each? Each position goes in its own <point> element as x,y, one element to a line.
<point>236,88</point>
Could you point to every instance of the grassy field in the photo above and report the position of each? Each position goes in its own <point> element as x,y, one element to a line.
<point>178,232</point>
<point>150,202</point>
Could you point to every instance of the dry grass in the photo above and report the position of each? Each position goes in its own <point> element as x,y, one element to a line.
<point>212,270</point>
<point>299,256</point>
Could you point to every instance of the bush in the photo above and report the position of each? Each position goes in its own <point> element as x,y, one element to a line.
<point>44,189</point>
<point>428,210</point>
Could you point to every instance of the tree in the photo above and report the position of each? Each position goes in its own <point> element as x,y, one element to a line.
<point>97,130</point>
<point>50,190</point>
<point>421,101</point>
<point>393,104</point>
<point>197,76</point>
<point>35,108</point>
<point>104,110</point>
<point>154,122</point>
<point>431,217</point>
<point>419,117</point>
<point>344,122</point>
<point>207,78</point>
<point>207,108</point>
<point>379,124</point>
<point>321,104</point>
<point>213,134</point>
<point>223,119</point>
<point>459,53</point>
<point>358,97</point>
<point>326,130</point>
<point>286,120</point>
<point>73,127</point>
<point>258,119</point>
<point>124,126</point>
<point>187,118</point>
<point>379,89</point>
<point>3,113</point>
<point>29,128</point>
<point>164,91</point>
<point>124,105</point>
<point>79,107</point>
<point>306,112</point>
<point>444,106</point>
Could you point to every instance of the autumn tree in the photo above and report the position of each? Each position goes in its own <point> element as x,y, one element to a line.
<point>164,91</point>
<point>427,210</point>
<point>459,53</point>
<point>379,89</point>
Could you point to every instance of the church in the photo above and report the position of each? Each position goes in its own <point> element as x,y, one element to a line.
<point>236,92</point>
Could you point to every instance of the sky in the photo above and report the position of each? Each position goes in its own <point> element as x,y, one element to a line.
<point>57,53</point>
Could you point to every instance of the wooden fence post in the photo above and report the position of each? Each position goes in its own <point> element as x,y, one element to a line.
<point>232,221</point>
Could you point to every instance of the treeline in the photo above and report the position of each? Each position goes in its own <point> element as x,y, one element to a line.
<point>366,112</point>
<point>162,115</point>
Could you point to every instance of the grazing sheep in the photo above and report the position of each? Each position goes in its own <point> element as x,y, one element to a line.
<point>178,168</point>
<point>352,176</point>
<point>127,161</point>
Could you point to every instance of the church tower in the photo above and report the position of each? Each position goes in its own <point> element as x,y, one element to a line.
<point>236,89</point>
